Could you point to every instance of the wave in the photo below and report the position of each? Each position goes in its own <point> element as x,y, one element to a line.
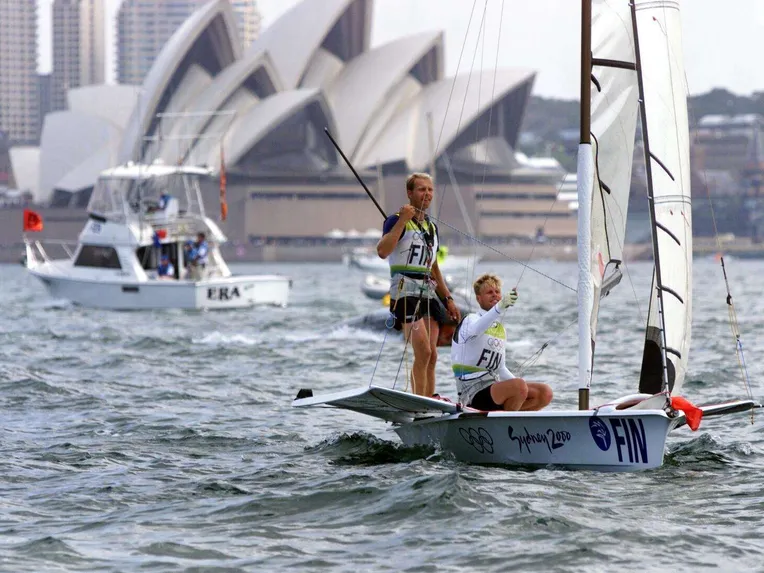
<point>363,449</point>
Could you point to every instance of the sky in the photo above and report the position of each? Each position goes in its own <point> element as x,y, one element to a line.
<point>723,42</point>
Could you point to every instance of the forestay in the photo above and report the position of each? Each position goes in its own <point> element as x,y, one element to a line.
<point>665,95</point>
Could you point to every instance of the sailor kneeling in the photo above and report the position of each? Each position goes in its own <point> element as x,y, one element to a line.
<point>483,380</point>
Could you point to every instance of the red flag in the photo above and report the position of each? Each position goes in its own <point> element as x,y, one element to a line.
<point>691,412</point>
<point>32,221</point>
<point>223,183</point>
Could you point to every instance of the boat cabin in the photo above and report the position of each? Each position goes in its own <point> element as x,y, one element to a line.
<point>143,216</point>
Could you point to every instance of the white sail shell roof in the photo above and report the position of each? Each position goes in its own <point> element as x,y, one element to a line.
<point>112,103</point>
<point>213,22</point>
<point>84,174</point>
<point>375,102</point>
<point>60,155</point>
<point>366,83</point>
<point>406,138</point>
<point>266,116</point>
<point>235,89</point>
<point>295,37</point>
<point>25,162</point>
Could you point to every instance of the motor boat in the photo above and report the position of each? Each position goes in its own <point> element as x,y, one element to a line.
<point>139,214</point>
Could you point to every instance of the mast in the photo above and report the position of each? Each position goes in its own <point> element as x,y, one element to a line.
<point>585,183</point>
<point>658,283</point>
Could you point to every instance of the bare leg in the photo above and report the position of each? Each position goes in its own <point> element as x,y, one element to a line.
<point>416,334</point>
<point>539,396</point>
<point>511,394</point>
<point>433,329</point>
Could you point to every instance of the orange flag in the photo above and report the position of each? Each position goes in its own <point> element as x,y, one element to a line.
<point>32,221</point>
<point>691,412</point>
<point>223,183</point>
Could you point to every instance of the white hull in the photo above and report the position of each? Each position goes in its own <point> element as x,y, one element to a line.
<point>375,287</point>
<point>219,293</point>
<point>605,439</point>
<point>613,441</point>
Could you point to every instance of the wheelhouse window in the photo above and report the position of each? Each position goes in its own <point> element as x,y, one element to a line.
<point>97,256</point>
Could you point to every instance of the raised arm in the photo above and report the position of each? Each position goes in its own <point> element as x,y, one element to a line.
<point>482,323</point>
<point>394,227</point>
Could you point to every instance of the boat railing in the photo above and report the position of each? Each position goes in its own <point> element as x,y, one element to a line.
<point>38,250</point>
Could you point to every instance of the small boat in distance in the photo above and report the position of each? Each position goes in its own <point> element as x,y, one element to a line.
<point>139,214</point>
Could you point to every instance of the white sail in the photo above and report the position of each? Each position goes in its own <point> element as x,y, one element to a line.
<point>614,107</point>
<point>665,94</point>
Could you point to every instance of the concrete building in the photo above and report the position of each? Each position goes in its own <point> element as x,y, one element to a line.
<point>79,47</point>
<point>729,152</point>
<point>6,173</point>
<point>19,109</point>
<point>144,26</point>
<point>45,97</point>
<point>65,73</point>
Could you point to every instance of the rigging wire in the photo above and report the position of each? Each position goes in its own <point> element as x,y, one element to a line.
<point>731,311</point>
<point>543,225</point>
<point>456,75</point>
<point>506,256</point>
<point>379,355</point>
<point>533,358</point>
<point>466,92</point>
<point>470,277</point>
<point>490,121</point>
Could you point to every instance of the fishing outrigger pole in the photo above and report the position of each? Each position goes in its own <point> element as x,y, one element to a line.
<point>347,161</point>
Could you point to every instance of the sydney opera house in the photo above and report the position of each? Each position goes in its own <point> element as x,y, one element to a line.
<point>391,109</point>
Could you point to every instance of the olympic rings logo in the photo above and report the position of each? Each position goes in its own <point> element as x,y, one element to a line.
<point>495,343</point>
<point>478,438</point>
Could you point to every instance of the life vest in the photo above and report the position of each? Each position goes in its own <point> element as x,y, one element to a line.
<point>412,259</point>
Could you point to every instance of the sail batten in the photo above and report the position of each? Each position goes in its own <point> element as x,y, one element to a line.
<point>614,108</point>
<point>667,336</point>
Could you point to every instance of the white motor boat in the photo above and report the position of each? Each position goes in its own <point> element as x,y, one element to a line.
<point>137,214</point>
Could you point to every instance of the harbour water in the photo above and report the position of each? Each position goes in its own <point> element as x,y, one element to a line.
<point>165,441</point>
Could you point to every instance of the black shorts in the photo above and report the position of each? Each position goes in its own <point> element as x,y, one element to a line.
<point>409,309</point>
<point>483,401</point>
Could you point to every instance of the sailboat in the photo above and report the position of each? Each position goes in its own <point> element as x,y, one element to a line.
<point>631,62</point>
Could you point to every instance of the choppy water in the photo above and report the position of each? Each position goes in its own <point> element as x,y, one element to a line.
<point>165,441</point>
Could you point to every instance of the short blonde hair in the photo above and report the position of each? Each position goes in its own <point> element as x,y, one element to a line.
<point>486,279</point>
<point>413,177</point>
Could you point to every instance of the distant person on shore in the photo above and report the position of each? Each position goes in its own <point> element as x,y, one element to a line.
<point>410,243</point>
<point>478,356</point>
<point>165,270</point>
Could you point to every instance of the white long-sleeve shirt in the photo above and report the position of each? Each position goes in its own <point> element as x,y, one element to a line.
<point>478,355</point>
